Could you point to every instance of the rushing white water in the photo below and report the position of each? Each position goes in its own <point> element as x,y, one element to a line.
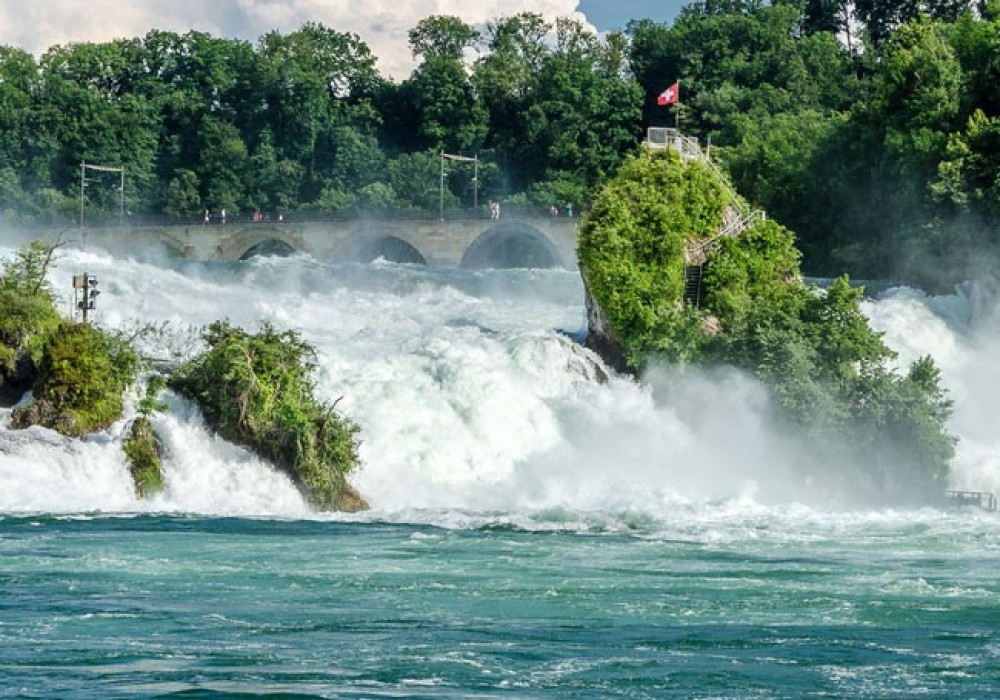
<point>961,332</point>
<point>469,395</point>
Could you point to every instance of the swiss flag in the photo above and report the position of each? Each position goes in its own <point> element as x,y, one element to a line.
<point>670,95</point>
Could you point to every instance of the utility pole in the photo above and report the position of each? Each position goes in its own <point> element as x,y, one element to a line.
<point>83,183</point>
<point>475,180</point>
<point>84,166</point>
<point>85,293</point>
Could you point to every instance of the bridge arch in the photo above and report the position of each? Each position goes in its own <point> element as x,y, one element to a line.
<point>368,247</point>
<point>244,244</point>
<point>512,244</point>
<point>271,246</point>
<point>169,245</point>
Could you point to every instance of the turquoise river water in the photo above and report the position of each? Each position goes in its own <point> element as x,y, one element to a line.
<point>535,532</point>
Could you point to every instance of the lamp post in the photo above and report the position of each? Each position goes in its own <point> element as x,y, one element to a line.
<point>84,166</point>
<point>83,183</point>
<point>475,180</point>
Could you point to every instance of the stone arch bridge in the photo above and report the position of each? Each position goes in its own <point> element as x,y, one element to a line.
<point>472,243</point>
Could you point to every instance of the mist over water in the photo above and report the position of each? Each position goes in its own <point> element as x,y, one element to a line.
<point>474,400</point>
<point>961,331</point>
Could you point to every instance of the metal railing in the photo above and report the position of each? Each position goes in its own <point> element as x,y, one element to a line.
<point>689,148</point>
<point>508,213</point>
<point>979,499</point>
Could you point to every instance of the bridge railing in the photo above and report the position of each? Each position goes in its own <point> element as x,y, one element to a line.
<point>507,213</point>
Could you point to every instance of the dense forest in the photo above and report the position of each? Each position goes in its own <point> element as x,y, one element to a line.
<point>871,129</point>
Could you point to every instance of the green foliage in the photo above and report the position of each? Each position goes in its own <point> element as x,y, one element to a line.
<point>143,452</point>
<point>25,274</point>
<point>149,403</point>
<point>28,315</point>
<point>631,251</point>
<point>25,324</point>
<point>827,370</point>
<point>81,378</point>
<point>182,196</point>
<point>141,445</point>
<point>441,36</point>
<point>752,278</point>
<point>257,391</point>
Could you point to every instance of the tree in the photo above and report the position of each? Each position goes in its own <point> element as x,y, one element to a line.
<point>440,93</point>
<point>441,36</point>
<point>224,165</point>
<point>507,81</point>
<point>449,114</point>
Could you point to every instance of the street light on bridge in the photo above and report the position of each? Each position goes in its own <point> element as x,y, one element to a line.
<point>84,166</point>
<point>475,180</point>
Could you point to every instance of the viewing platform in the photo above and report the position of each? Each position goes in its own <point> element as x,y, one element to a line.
<point>980,499</point>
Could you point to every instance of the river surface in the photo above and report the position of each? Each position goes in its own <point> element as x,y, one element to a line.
<point>535,532</point>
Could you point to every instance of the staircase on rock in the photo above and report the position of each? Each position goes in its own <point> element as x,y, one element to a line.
<point>737,218</point>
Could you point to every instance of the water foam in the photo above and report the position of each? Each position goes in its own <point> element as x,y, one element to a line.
<point>468,399</point>
<point>960,331</point>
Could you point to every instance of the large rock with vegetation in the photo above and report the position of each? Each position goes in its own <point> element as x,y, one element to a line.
<point>77,374</point>
<point>80,381</point>
<point>256,391</point>
<point>143,450</point>
<point>142,446</point>
<point>28,317</point>
<point>829,374</point>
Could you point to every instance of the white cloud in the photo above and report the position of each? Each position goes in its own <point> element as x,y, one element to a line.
<point>382,24</point>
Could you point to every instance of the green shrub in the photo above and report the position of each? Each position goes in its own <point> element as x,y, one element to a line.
<point>143,452</point>
<point>257,391</point>
<point>81,377</point>
<point>28,316</point>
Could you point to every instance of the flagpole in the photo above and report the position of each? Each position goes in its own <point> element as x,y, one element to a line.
<point>677,108</point>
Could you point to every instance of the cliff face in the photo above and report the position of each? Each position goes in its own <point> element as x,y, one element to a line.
<point>601,337</point>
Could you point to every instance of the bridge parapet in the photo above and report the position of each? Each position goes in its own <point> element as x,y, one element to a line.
<point>436,243</point>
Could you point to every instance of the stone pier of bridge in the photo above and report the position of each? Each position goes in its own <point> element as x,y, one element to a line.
<point>471,243</point>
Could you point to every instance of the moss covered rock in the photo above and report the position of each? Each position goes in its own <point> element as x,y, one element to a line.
<point>828,372</point>
<point>256,391</point>
<point>81,377</point>
<point>28,317</point>
<point>143,450</point>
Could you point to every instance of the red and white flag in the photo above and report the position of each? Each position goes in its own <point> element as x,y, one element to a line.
<point>670,95</point>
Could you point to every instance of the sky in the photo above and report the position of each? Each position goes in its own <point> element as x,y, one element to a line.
<point>35,25</point>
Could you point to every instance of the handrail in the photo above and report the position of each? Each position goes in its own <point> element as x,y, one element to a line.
<point>732,229</point>
<point>688,147</point>
<point>983,499</point>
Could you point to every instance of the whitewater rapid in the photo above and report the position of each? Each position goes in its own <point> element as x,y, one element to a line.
<point>472,395</point>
